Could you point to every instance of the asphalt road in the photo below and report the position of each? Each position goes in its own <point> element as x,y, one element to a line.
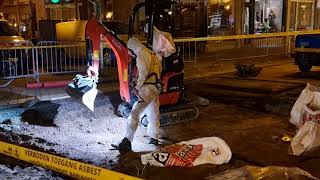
<point>251,114</point>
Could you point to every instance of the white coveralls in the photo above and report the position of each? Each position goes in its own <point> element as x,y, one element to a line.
<point>148,94</point>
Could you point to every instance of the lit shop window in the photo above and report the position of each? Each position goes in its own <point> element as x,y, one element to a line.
<point>221,17</point>
<point>301,15</point>
<point>268,16</point>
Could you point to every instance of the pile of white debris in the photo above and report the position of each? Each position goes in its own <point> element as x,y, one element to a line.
<point>29,173</point>
<point>81,134</point>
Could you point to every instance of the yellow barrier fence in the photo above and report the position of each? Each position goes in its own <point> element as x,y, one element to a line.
<point>71,168</point>
<point>47,58</point>
<point>238,46</point>
<point>249,36</point>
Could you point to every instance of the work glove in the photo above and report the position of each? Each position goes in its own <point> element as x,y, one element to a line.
<point>93,72</point>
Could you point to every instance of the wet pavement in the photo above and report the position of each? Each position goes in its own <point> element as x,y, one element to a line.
<point>251,115</point>
<point>9,97</point>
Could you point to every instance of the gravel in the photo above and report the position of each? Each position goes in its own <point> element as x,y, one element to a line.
<point>29,173</point>
<point>84,135</point>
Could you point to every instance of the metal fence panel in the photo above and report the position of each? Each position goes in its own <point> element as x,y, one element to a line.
<point>16,59</point>
<point>54,57</point>
<point>45,58</point>
<point>60,57</point>
<point>237,47</point>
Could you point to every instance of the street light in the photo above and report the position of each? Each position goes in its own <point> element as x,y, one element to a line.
<point>109,15</point>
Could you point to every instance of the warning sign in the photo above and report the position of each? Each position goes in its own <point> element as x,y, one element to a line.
<point>61,165</point>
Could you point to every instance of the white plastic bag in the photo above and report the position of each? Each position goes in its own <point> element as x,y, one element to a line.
<point>310,96</point>
<point>310,114</point>
<point>209,150</point>
<point>307,139</point>
<point>163,43</point>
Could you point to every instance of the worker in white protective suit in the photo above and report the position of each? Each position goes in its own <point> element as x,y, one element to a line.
<point>147,90</point>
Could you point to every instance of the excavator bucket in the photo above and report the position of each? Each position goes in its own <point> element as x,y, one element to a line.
<point>83,88</point>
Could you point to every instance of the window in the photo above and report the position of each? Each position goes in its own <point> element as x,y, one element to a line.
<point>62,14</point>
<point>301,15</point>
<point>221,17</point>
<point>7,30</point>
<point>317,16</point>
<point>268,16</point>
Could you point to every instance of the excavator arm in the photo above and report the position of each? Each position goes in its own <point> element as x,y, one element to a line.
<point>95,32</point>
<point>84,88</point>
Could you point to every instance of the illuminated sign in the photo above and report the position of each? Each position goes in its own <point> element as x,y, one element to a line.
<point>55,1</point>
<point>59,1</point>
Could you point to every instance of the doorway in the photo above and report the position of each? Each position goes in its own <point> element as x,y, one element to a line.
<point>249,17</point>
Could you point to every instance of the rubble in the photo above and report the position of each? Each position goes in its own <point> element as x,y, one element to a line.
<point>33,172</point>
<point>247,70</point>
<point>78,133</point>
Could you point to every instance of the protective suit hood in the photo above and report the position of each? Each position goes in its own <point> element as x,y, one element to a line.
<point>163,43</point>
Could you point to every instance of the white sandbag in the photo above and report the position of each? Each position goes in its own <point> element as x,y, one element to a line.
<point>209,150</point>
<point>163,43</point>
<point>309,94</point>
<point>307,138</point>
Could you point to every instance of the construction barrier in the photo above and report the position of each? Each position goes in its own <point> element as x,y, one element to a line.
<point>46,58</point>
<point>55,57</point>
<point>32,61</point>
<point>248,36</point>
<point>71,168</point>
<point>237,47</point>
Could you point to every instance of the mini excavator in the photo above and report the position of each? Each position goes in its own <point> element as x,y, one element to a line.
<point>174,107</point>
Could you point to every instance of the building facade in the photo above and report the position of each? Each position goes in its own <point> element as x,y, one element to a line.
<point>188,18</point>
<point>262,16</point>
<point>21,14</point>
<point>228,17</point>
